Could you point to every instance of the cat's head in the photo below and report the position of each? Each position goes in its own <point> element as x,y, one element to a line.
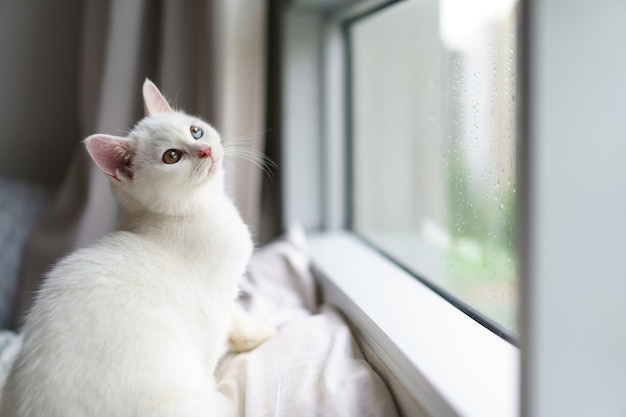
<point>168,163</point>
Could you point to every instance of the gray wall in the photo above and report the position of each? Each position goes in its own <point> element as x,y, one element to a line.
<point>39,67</point>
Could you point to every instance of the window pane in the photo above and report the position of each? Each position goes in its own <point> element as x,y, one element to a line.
<point>434,98</point>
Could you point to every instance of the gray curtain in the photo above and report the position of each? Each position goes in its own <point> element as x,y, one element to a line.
<point>207,56</point>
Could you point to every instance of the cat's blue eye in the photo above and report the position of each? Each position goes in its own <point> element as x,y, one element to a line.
<point>196,132</point>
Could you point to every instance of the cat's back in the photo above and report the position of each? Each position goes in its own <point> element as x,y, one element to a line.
<point>103,311</point>
<point>118,266</point>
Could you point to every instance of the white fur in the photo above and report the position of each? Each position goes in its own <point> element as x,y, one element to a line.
<point>134,324</point>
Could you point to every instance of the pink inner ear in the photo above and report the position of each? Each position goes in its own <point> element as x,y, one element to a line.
<point>112,154</point>
<point>153,100</point>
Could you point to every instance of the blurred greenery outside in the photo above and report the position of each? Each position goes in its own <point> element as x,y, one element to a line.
<point>481,262</point>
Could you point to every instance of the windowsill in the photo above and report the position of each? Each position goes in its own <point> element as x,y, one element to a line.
<point>450,364</point>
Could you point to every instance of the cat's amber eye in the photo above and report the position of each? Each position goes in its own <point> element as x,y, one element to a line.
<point>196,132</point>
<point>171,156</point>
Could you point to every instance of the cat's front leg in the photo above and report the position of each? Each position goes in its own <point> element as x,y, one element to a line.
<point>245,333</point>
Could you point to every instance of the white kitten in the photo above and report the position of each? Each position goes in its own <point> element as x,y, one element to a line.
<point>134,324</point>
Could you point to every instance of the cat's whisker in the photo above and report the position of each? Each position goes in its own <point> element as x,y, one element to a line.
<point>237,139</point>
<point>248,152</point>
<point>265,164</point>
<point>243,142</point>
<point>257,158</point>
<point>195,172</point>
<point>244,151</point>
<point>233,171</point>
<point>122,131</point>
<point>175,101</point>
<point>240,138</point>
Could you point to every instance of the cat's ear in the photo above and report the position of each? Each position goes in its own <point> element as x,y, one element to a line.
<point>112,154</point>
<point>153,100</point>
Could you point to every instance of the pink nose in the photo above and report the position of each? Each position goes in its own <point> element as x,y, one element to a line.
<point>205,153</point>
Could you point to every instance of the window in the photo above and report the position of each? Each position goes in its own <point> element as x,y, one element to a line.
<point>569,172</point>
<point>447,362</point>
<point>433,136</point>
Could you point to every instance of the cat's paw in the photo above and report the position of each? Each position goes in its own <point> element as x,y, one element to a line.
<point>251,338</point>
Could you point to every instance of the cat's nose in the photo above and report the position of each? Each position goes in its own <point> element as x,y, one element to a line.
<point>206,152</point>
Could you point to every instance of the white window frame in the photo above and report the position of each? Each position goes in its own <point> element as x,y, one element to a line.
<point>414,353</point>
<point>573,319</point>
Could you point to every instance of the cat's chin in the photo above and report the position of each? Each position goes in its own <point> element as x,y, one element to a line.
<point>213,169</point>
<point>212,177</point>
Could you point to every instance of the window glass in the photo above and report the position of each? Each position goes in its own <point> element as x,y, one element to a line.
<point>433,101</point>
